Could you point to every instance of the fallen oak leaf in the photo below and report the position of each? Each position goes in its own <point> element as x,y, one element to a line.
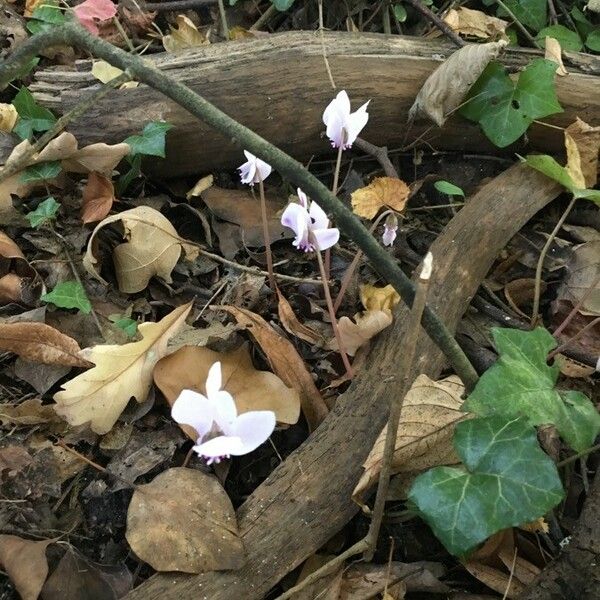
<point>582,143</point>
<point>382,191</point>
<point>474,23</point>
<point>100,395</point>
<point>153,248</point>
<point>98,198</point>
<point>41,343</point>
<point>285,361</point>
<point>184,521</point>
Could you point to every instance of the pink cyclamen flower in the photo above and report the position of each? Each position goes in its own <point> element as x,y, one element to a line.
<point>343,126</point>
<point>90,11</point>
<point>221,431</point>
<point>390,229</point>
<point>310,224</point>
<point>254,170</point>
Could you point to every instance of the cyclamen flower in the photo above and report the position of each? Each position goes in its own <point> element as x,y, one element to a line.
<point>221,431</point>
<point>343,126</point>
<point>310,224</point>
<point>90,11</point>
<point>390,229</point>
<point>254,170</point>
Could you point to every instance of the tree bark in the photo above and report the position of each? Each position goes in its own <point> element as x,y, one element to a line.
<point>307,498</point>
<point>278,86</point>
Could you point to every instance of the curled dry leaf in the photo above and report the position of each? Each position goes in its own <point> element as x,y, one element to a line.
<point>184,35</point>
<point>25,563</point>
<point>553,52</point>
<point>153,248</point>
<point>19,281</point>
<point>582,143</point>
<point>292,325</point>
<point>41,343</point>
<point>184,521</point>
<point>583,269</point>
<point>8,117</point>
<point>285,361</point>
<point>98,198</point>
<point>499,581</point>
<point>187,369</point>
<point>474,23</point>
<point>430,412</point>
<point>382,191</point>
<point>447,86</point>
<point>28,412</point>
<point>100,395</point>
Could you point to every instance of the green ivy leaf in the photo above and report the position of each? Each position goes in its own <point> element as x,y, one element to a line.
<point>45,16</point>
<point>567,38</point>
<point>583,24</point>
<point>128,325</point>
<point>508,481</point>
<point>548,166</point>
<point>505,110</point>
<point>282,5</point>
<point>445,187</point>
<point>400,12</point>
<point>152,140</point>
<point>126,178</point>
<point>592,41</point>
<point>532,13</point>
<point>69,294</point>
<point>44,212</point>
<point>32,117</point>
<point>41,171</point>
<point>520,383</point>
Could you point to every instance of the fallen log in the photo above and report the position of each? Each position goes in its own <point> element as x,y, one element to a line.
<point>278,86</point>
<point>307,498</point>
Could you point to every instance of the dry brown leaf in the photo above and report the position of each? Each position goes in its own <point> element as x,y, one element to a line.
<point>474,23</point>
<point>25,563</point>
<point>582,143</point>
<point>184,35</point>
<point>41,343</point>
<point>28,412</point>
<point>98,198</point>
<point>524,571</point>
<point>8,117</point>
<point>100,395</point>
<point>382,191</point>
<point>446,88</point>
<point>201,186</point>
<point>553,52</point>
<point>357,333</point>
<point>19,281</point>
<point>251,389</point>
<point>430,412</point>
<point>184,521</point>
<point>13,459</point>
<point>520,292</point>
<point>285,362</point>
<point>292,325</point>
<point>570,367</point>
<point>583,268</point>
<point>495,579</point>
<point>152,249</point>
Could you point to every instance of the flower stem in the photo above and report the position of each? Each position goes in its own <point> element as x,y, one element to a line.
<point>265,224</point>
<point>336,331</point>
<point>336,174</point>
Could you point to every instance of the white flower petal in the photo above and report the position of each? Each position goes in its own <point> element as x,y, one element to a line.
<point>356,122</point>
<point>247,172</point>
<point>335,130</point>
<point>389,235</point>
<point>318,216</point>
<point>223,445</point>
<point>193,409</point>
<point>263,170</point>
<point>326,238</point>
<point>225,411</point>
<point>289,218</point>
<point>254,428</point>
<point>213,380</point>
<point>249,156</point>
<point>303,198</point>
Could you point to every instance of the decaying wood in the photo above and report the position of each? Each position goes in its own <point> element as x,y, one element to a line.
<point>278,86</point>
<point>307,499</point>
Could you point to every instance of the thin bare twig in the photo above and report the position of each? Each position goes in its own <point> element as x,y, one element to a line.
<point>325,59</point>
<point>439,23</point>
<point>380,154</point>
<point>175,5</point>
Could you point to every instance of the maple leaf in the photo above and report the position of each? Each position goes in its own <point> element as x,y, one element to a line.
<point>91,10</point>
<point>100,395</point>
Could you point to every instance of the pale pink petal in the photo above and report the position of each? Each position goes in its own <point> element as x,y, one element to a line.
<point>356,122</point>
<point>303,198</point>
<point>326,238</point>
<point>318,216</point>
<point>290,215</point>
<point>247,172</point>
<point>339,108</point>
<point>335,130</point>
<point>193,409</point>
<point>225,411</point>
<point>263,170</point>
<point>223,445</point>
<point>389,235</point>
<point>254,428</point>
<point>213,380</point>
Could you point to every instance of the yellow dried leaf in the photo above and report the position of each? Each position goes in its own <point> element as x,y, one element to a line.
<point>537,526</point>
<point>378,298</point>
<point>100,395</point>
<point>382,191</point>
<point>105,72</point>
<point>582,143</point>
<point>153,248</point>
<point>201,186</point>
<point>554,53</point>
<point>430,412</point>
<point>474,23</point>
<point>8,117</point>
<point>30,6</point>
<point>184,35</point>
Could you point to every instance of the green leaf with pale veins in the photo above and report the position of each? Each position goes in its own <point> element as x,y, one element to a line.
<point>532,13</point>
<point>520,383</point>
<point>505,110</point>
<point>41,171</point>
<point>44,212</point>
<point>32,116</point>
<point>151,142</point>
<point>508,481</point>
<point>69,294</point>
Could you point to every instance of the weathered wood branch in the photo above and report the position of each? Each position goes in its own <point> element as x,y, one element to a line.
<point>278,86</point>
<point>306,500</point>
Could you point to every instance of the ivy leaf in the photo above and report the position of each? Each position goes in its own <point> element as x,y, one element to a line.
<point>548,166</point>
<point>32,117</point>
<point>505,110</point>
<point>44,212</point>
<point>282,5</point>
<point>520,383</point>
<point>567,38</point>
<point>69,294</point>
<point>532,13</point>
<point>41,171</point>
<point>45,16</point>
<point>509,481</point>
<point>445,187</point>
<point>592,41</point>
<point>127,324</point>
<point>152,140</point>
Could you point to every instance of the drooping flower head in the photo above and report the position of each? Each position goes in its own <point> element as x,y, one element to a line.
<point>390,229</point>
<point>221,431</point>
<point>91,11</point>
<point>343,126</point>
<point>310,224</point>
<point>254,170</point>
